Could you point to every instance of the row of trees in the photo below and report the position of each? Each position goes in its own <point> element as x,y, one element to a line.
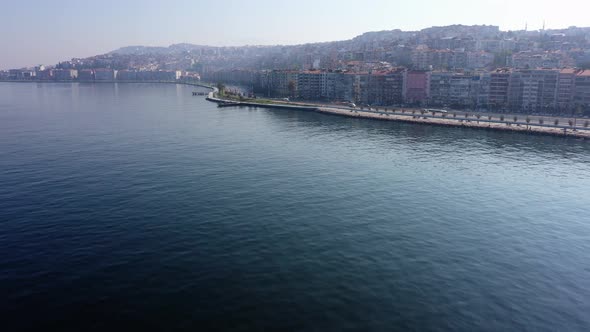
<point>478,116</point>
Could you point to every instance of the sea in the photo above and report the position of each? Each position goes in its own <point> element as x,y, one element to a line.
<point>142,207</point>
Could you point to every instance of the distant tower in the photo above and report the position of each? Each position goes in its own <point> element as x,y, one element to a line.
<point>526,26</point>
<point>543,25</point>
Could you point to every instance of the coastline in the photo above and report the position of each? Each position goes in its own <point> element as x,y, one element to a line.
<point>423,119</point>
<point>113,81</point>
<point>387,115</point>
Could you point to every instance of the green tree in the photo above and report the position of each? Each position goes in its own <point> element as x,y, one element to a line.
<point>221,88</point>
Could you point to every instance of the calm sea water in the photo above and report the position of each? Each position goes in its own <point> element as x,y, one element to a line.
<point>140,206</point>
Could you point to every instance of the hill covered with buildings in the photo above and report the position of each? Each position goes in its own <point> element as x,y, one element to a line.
<point>478,67</point>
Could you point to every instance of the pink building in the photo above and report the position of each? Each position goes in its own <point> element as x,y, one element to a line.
<point>416,86</point>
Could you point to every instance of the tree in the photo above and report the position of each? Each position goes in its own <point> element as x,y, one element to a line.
<point>221,88</point>
<point>556,122</point>
<point>433,113</point>
<point>490,117</point>
<point>515,118</point>
<point>570,122</point>
<point>466,115</point>
<point>478,116</point>
<point>454,114</point>
<point>292,88</point>
<point>586,123</point>
<point>528,121</point>
<point>502,117</point>
<point>541,121</point>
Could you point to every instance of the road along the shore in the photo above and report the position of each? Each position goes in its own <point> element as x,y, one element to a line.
<point>426,118</point>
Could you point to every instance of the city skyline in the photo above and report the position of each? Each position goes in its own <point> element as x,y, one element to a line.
<point>65,29</point>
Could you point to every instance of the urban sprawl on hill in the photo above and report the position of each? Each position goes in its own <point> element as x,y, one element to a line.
<point>462,67</point>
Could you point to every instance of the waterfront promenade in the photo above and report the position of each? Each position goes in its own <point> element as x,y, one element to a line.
<point>505,122</point>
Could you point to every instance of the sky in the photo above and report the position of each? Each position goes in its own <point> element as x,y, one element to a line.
<point>36,32</point>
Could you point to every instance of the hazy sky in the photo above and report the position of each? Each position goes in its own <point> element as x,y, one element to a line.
<point>46,31</point>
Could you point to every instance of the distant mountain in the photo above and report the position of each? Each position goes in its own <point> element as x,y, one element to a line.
<point>392,46</point>
<point>374,36</point>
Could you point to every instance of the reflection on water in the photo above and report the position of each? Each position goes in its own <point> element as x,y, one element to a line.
<point>141,205</point>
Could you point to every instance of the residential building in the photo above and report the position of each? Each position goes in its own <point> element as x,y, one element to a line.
<point>309,84</point>
<point>582,90</point>
<point>64,74</point>
<point>416,86</point>
<point>498,91</point>
<point>566,89</point>
<point>85,75</point>
<point>103,74</point>
<point>440,84</point>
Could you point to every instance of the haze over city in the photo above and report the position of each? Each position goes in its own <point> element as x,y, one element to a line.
<point>47,32</point>
<point>311,165</point>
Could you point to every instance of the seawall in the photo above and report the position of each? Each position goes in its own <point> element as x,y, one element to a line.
<point>424,119</point>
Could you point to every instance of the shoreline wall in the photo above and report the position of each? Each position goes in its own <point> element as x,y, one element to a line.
<point>423,119</point>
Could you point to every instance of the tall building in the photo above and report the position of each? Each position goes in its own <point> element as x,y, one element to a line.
<point>478,60</point>
<point>440,84</point>
<point>385,87</point>
<point>459,91</point>
<point>64,74</point>
<point>565,89</point>
<point>498,93</point>
<point>309,84</point>
<point>533,90</point>
<point>103,74</point>
<point>416,86</point>
<point>283,83</point>
<point>340,86</point>
<point>126,75</point>
<point>85,75</point>
<point>582,90</point>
